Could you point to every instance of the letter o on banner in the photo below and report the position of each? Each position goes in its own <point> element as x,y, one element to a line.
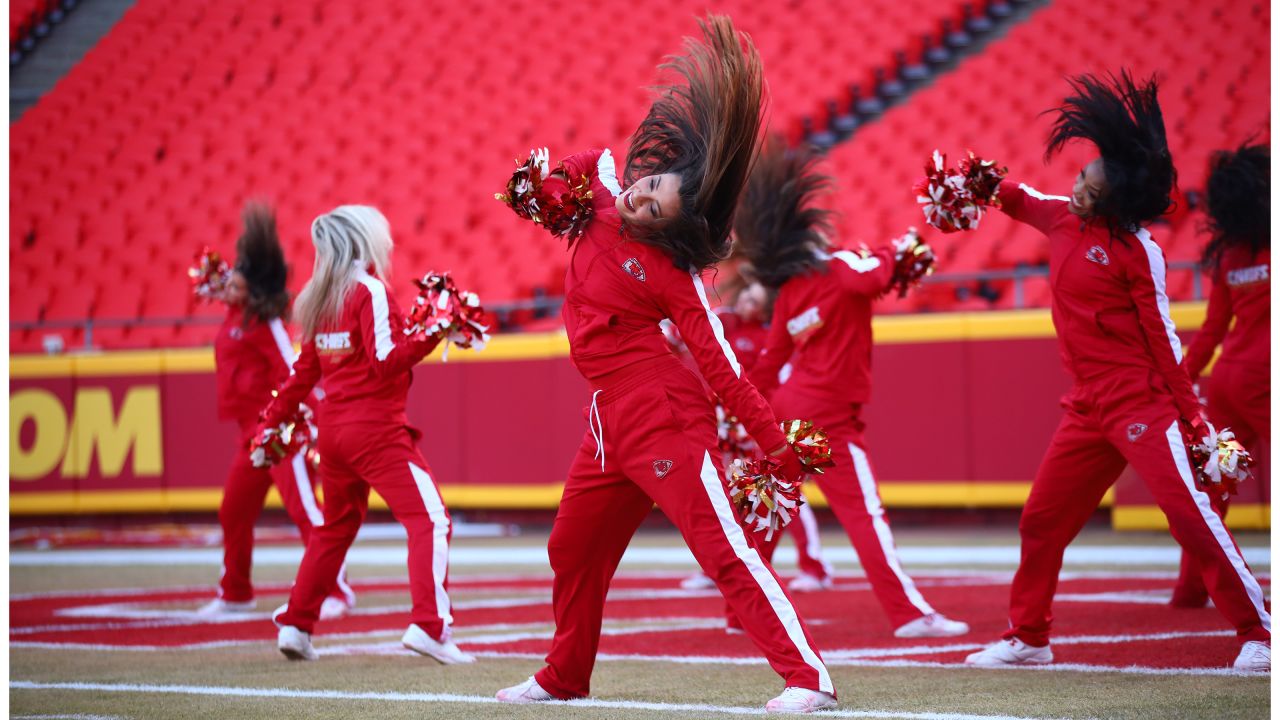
<point>45,410</point>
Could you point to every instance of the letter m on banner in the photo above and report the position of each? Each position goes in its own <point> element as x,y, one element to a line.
<point>97,429</point>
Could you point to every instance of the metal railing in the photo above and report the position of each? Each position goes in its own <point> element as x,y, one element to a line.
<point>545,306</point>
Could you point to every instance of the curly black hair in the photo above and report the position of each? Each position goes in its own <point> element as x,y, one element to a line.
<point>260,259</point>
<point>1239,200</point>
<point>705,130</point>
<point>1123,120</point>
<point>779,226</point>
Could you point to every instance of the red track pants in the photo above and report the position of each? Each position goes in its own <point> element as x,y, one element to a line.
<point>1123,416</point>
<point>659,445</point>
<point>385,457</point>
<point>1239,397</point>
<point>851,491</point>
<point>242,500</point>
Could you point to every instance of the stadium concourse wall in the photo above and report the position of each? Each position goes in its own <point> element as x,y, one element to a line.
<point>964,405</point>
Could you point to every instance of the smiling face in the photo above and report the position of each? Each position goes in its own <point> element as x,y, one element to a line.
<point>1091,184</point>
<point>651,201</point>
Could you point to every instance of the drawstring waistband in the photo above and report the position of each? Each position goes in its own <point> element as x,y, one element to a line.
<point>593,421</point>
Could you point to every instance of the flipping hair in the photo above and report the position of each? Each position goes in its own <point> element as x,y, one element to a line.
<point>1239,199</point>
<point>347,239</point>
<point>1124,122</point>
<point>704,130</point>
<point>779,225</point>
<point>260,259</point>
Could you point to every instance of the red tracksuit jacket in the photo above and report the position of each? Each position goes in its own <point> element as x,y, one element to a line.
<point>365,360</point>
<point>1241,289</point>
<point>617,290</point>
<point>822,324</point>
<point>1109,303</point>
<point>251,360</point>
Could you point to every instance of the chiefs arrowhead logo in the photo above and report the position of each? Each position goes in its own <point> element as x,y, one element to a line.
<point>1098,255</point>
<point>635,270</point>
<point>1135,431</point>
<point>661,468</point>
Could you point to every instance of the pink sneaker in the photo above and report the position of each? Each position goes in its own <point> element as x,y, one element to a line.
<point>800,701</point>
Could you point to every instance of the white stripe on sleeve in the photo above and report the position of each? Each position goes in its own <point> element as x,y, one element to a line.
<point>382,342</point>
<point>608,173</point>
<point>1039,195</point>
<point>717,328</point>
<point>283,344</point>
<point>858,262</point>
<point>1155,258</point>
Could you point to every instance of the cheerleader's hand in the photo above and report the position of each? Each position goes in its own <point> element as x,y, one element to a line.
<point>259,457</point>
<point>792,470</point>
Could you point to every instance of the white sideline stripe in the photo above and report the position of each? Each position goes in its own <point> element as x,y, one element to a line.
<point>871,499</point>
<point>760,571</point>
<point>545,631</point>
<point>65,716</point>
<point>382,342</point>
<point>209,690</point>
<point>1136,597</point>
<point>306,493</point>
<point>717,328</point>
<point>536,557</point>
<point>854,653</point>
<point>1179,450</point>
<point>283,343</point>
<point>1155,259</point>
<point>439,540</point>
<point>607,171</point>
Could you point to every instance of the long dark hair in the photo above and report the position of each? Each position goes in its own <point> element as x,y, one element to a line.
<point>779,225</point>
<point>706,130</point>
<point>260,259</point>
<point>1123,120</point>
<point>1239,200</point>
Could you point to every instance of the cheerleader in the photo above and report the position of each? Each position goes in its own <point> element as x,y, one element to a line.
<point>747,333</point>
<point>1131,402</point>
<point>1239,256</point>
<point>652,431</point>
<point>822,326</point>
<point>252,356</point>
<point>353,340</point>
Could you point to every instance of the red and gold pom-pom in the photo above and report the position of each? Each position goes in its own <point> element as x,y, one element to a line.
<point>913,260</point>
<point>1221,462</point>
<point>810,443</point>
<point>209,274</point>
<point>766,502</point>
<point>564,214</point>
<point>731,436</point>
<point>275,444</point>
<point>956,198</point>
<point>444,310</point>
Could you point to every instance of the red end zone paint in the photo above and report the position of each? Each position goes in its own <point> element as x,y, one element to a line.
<point>1113,621</point>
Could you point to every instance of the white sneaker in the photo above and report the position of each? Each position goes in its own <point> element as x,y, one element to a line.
<point>800,701</point>
<point>697,582</point>
<point>446,653</point>
<point>333,608</point>
<point>1010,652</point>
<point>218,606</point>
<point>935,625</point>
<point>526,692</point>
<point>1254,657</point>
<point>295,644</point>
<point>804,582</point>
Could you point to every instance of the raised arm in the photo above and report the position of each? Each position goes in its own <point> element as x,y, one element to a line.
<point>1147,288</point>
<point>1030,206</point>
<point>867,276</point>
<point>684,300</point>
<point>382,331</point>
<point>1216,323</point>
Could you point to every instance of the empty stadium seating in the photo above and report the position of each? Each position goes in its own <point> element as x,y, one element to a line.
<point>1212,60</point>
<point>151,145</point>
<point>148,149</point>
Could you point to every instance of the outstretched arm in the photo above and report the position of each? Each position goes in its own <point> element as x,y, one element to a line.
<point>1216,323</point>
<point>1030,206</point>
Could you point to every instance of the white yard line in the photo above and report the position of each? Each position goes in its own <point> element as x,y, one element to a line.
<point>607,705</point>
<point>536,557</point>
